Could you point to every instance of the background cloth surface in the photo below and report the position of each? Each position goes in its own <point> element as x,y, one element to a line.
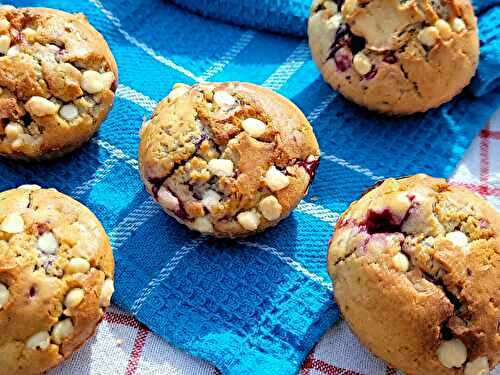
<point>262,302</point>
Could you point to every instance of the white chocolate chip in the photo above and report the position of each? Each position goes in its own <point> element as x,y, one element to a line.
<point>270,208</point>
<point>29,187</point>
<point>224,99</point>
<point>4,44</point>
<point>334,22</point>
<point>362,63</point>
<point>249,220</point>
<point>458,25</point>
<point>210,199</point>
<point>401,262</point>
<point>61,331</point>
<point>221,167</point>
<point>331,6</point>
<point>4,295</point>
<point>39,106</point>
<point>254,127</point>
<point>13,223</point>
<point>275,179</point>
<point>13,130</point>
<point>4,25</point>
<point>92,82</point>
<point>39,341</point>
<point>68,112</point>
<point>167,199</point>
<point>74,297</point>
<point>458,239</point>
<point>443,28</point>
<point>108,288</point>
<point>452,353</point>
<point>479,366</point>
<point>7,7</point>
<point>78,265</point>
<point>47,243</point>
<point>177,92</point>
<point>29,34</point>
<point>428,36</point>
<point>107,79</point>
<point>17,143</point>
<point>13,51</point>
<point>203,225</point>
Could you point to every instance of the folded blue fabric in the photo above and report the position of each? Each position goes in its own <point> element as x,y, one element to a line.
<point>256,305</point>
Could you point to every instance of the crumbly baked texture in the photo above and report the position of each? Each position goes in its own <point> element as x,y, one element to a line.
<point>227,159</point>
<point>57,82</point>
<point>395,56</point>
<point>56,278</point>
<point>416,268</point>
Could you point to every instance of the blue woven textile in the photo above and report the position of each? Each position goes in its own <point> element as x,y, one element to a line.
<point>257,305</point>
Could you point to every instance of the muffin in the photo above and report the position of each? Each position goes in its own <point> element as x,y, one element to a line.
<point>56,278</point>
<point>227,159</point>
<point>416,269</point>
<point>57,82</point>
<point>392,56</point>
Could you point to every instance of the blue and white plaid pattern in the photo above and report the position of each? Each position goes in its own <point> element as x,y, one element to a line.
<point>259,303</point>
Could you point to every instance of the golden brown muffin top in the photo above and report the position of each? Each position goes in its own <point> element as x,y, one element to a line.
<point>56,278</point>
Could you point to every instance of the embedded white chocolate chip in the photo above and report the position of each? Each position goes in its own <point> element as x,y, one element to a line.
<point>254,127</point>
<point>7,7</point>
<point>221,167</point>
<point>29,187</point>
<point>4,295</point>
<point>444,29</point>
<point>270,208</point>
<point>107,79</point>
<point>249,220</point>
<point>39,106</point>
<point>452,353</point>
<point>4,25</point>
<point>47,243</point>
<point>479,366</point>
<point>68,112</point>
<point>39,341</point>
<point>13,130</point>
<point>108,288</point>
<point>458,239</point>
<point>13,223</point>
<point>331,6</point>
<point>74,297</point>
<point>29,34</point>
<point>401,262</point>
<point>362,63</point>
<point>203,225</point>
<point>458,25</point>
<point>78,265</point>
<point>210,199</point>
<point>275,179</point>
<point>61,331</point>
<point>92,82</point>
<point>4,44</point>
<point>167,199</point>
<point>428,36</point>
<point>334,22</point>
<point>224,99</point>
<point>13,51</point>
<point>177,92</point>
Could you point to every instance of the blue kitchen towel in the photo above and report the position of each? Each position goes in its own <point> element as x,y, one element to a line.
<point>259,304</point>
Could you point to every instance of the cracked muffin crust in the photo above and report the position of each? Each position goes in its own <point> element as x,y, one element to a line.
<point>227,159</point>
<point>56,278</point>
<point>395,56</point>
<point>57,82</point>
<point>416,268</point>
